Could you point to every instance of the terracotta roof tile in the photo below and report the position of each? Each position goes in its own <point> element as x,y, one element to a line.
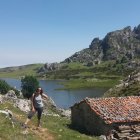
<point>116,109</point>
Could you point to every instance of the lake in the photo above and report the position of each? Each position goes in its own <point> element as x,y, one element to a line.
<point>62,98</point>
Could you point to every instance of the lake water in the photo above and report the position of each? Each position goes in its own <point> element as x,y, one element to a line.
<point>62,98</point>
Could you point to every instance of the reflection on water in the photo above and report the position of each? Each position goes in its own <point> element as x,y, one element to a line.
<point>62,98</point>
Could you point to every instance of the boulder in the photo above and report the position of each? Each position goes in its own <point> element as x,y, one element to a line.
<point>11,94</point>
<point>23,105</point>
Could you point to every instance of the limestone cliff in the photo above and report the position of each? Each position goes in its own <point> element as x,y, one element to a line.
<point>118,45</point>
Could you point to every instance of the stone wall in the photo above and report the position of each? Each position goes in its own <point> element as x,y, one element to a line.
<point>128,131</point>
<point>84,118</point>
<point>77,116</point>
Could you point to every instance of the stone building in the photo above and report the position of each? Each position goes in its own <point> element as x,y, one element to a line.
<point>115,117</point>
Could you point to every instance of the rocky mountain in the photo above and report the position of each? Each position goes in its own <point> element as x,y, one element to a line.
<point>123,46</point>
<point>117,45</point>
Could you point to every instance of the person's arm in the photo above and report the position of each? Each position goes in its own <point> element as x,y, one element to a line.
<point>45,96</point>
<point>32,103</point>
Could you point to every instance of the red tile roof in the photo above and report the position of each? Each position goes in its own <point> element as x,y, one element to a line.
<point>116,109</point>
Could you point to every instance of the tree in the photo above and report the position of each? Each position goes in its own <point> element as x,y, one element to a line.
<point>4,87</point>
<point>29,84</point>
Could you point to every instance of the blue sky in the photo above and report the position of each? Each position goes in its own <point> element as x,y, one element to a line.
<point>40,31</point>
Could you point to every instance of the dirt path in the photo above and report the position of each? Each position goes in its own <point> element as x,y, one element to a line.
<point>42,133</point>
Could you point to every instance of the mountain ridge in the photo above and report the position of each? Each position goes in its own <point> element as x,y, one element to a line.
<point>114,46</point>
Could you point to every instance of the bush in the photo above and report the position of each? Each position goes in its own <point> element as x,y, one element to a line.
<point>29,84</point>
<point>124,59</point>
<point>4,87</point>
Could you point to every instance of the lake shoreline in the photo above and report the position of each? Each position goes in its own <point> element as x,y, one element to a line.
<point>62,98</point>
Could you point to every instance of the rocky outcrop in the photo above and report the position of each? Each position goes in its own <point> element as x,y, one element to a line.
<point>22,104</point>
<point>56,111</point>
<point>117,45</point>
<point>86,56</point>
<point>49,67</point>
<point>11,94</point>
<point>25,105</point>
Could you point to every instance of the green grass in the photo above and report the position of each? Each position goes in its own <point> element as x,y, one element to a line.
<point>7,132</point>
<point>131,90</point>
<point>57,127</point>
<point>89,83</point>
<point>85,74</point>
<point>22,71</point>
<point>60,127</point>
<point>74,65</point>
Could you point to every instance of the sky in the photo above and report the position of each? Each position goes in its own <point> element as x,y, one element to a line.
<point>47,31</point>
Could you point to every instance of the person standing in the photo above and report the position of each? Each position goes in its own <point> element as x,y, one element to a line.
<point>36,106</point>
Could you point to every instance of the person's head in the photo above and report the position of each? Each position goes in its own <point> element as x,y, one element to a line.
<point>39,90</point>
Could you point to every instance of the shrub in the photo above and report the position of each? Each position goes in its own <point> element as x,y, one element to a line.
<point>29,84</point>
<point>124,59</point>
<point>4,87</point>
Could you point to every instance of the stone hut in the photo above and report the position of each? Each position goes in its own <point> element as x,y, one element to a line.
<point>116,117</point>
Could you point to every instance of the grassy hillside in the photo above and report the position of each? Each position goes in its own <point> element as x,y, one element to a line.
<point>78,70</point>
<point>53,128</point>
<point>16,72</point>
<point>128,87</point>
<point>104,75</point>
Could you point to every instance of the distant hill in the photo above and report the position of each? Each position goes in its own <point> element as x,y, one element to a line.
<point>19,71</point>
